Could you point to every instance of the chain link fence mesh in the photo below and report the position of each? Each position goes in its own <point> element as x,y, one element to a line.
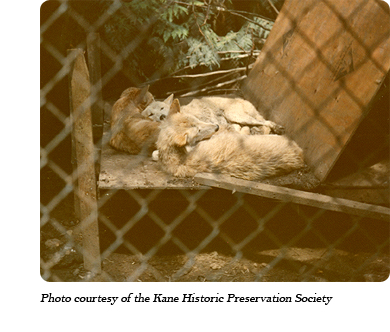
<point>201,234</point>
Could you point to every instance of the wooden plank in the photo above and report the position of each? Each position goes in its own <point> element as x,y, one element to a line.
<point>318,72</point>
<point>294,196</point>
<point>83,140</point>
<point>365,195</point>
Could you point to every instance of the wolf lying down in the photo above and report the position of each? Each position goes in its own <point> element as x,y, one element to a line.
<point>188,146</point>
<point>131,131</point>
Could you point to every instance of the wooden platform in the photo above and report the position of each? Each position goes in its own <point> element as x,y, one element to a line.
<point>120,170</point>
<point>369,185</point>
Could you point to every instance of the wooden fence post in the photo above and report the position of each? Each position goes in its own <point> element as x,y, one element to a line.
<point>85,189</point>
<point>93,50</point>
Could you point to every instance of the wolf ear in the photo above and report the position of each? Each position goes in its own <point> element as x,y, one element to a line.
<point>169,100</point>
<point>175,107</point>
<point>181,140</point>
<point>140,97</point>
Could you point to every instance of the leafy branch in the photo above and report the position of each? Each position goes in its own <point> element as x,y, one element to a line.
<point>183,36</point>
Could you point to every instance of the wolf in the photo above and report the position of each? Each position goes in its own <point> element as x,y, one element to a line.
<point>232,113</point>
<point>130,130</point>
<point>134,98</point>
<point>158,110</point>
<point>188,146</point>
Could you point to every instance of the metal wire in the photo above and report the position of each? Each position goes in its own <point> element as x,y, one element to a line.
<point>194,235</point>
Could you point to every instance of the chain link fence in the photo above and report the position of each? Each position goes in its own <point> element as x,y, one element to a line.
<point>218,232</point>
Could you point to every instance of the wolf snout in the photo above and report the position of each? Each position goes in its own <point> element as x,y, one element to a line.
<point>162,117</point>
<point>216,127</point>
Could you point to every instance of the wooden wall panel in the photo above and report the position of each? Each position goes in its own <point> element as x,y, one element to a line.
<point>320,68</point>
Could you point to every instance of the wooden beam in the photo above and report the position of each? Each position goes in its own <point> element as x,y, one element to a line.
<point>80,92</point>
<point>294,196</point>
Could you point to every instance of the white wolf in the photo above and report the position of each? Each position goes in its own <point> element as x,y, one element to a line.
<point>249,157</point>
<point>233,113</point>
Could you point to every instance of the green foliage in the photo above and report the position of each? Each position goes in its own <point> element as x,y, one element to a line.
<point>205,51</point>
<point>180,34</point>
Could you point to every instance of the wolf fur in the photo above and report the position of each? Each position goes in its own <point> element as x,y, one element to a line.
<point>248,157</point>
<point>130,130</point>
<point>236,113</point>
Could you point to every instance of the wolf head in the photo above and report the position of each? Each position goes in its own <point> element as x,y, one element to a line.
<point>141,97</point>
<point>158,110</point>
<point>131,102</point>
<point>183,129</point>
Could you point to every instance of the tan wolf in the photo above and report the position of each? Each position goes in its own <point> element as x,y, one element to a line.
<point>130,130</point>
<point>248,157</point>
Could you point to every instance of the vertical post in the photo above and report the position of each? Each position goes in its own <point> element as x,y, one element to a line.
<point>94,66</point>
<point>70,59</point>
<point>80,100</point>
<point>75,181</point>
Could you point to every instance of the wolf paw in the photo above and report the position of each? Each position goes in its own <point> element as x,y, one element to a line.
<point>155,155</point>
<point>278,130</point>
<point>245,130</point>
<point>260,130</point>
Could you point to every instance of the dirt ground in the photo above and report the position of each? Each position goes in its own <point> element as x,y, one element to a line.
<point>298,264</point>
<point>351,262</point>
<point>294,264</point>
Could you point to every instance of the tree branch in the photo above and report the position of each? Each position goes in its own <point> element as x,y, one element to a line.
<point>273,7</point>
<point>192,93</point>
<point>211,73</point>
